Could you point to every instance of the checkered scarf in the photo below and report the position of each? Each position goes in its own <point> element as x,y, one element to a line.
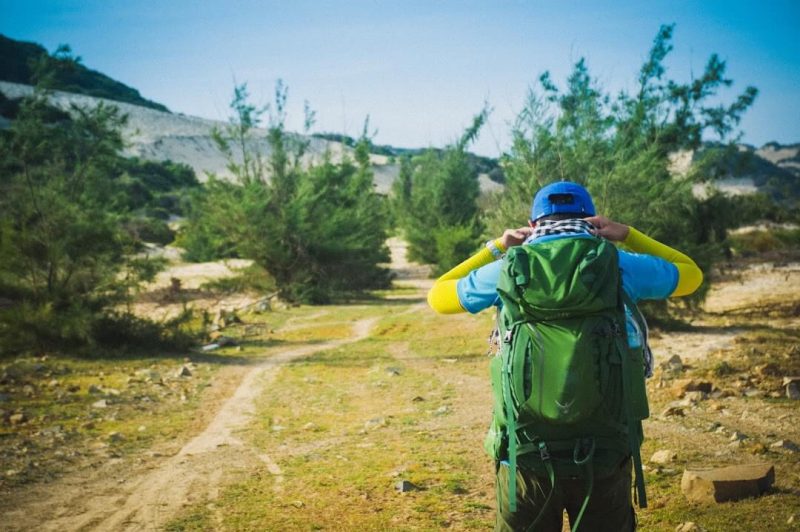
<point>561,227</point>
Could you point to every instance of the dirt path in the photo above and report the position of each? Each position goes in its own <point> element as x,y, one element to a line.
<point>150,496</point>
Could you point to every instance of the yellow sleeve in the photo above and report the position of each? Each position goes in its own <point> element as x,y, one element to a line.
<point>689,274</point>
<point>443,295</point>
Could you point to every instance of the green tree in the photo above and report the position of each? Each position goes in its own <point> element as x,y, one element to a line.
<point>318,229</point>
<point>435,201</point>
<point>620,147</point>
<point>67,262</point>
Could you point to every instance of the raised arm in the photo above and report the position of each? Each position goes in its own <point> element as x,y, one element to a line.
<point>443,296</point>
<point>689,274</point>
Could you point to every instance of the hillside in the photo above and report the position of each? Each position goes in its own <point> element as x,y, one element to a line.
<point>19,62</point>
<point>155,135</point>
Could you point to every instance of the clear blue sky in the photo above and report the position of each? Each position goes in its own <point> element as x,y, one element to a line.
<point>419,68</point>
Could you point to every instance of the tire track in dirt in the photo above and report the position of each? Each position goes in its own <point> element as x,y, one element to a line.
<point>196,473</point>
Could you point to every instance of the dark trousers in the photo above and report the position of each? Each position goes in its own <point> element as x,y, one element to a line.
<point>609,507</point>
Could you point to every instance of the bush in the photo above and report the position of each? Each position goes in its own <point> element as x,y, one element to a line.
<point>434,201</point>
<point>319,231</point>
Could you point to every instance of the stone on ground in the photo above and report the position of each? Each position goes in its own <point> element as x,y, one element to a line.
<point>727,483</point>
<point>405,486</point>
<point>663,456</point>
<point>689,526</point>
<point>785,445</point>
<point>792,390</point>
<point>681,386</point>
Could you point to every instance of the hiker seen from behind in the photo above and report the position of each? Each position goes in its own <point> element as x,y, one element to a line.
<point>570,358</point>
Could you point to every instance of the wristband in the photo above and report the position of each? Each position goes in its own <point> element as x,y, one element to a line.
<point>492,245</point>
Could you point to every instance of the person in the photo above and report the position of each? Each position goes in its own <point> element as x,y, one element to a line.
<point>648,270</point>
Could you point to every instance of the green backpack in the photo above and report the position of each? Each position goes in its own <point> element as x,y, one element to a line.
<point>569,394</point>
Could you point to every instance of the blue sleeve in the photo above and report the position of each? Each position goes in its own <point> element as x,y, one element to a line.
<point>478,290</point>
<point>647,276</point>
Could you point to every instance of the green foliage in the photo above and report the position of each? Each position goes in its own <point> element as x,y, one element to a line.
<point>477,163</point>
<point>29,63</point>
<point>318,230</point>
<point>619,147</point>
<point>67,257</point>
<point>435,202</point>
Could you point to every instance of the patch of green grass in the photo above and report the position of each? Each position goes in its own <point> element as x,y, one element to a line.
<point>72,408</point>
<point>347,424</point>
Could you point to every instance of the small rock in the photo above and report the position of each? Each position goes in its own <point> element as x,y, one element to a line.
<point>310,426</point>
<point>785,445</point>
<point>792,519</point>
<point>375,423</point>
<point>298,504</point>
<point>689,526</point>
<point>183,372</point>
<point>738,436</point>
<point>224,341</point>
<point>17,419</point>
<point>102,403</point>
<point>95,389</point>
<point>713,426</point>
<point>450,360</point>
<point>111,392</point>
<point>792,391</point>
<point>141,428</point>
<point>442,410</point>
<point>681,386</point>
<point>752,392</point>
<point>727,483</point>
<point>404,486</point>
<point>673,411</point>
<point>664,456</point>
<point>116,437</point>
<point>53,383</point>
<point>674,364</point>
<point>695,396</point>
<point>393,372</point>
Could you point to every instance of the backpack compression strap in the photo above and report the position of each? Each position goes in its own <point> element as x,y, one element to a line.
<point>633,424</point>
<point>511,427</point>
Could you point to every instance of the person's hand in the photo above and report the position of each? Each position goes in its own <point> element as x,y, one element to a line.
<point>515,237</point>
<point>609,229</point>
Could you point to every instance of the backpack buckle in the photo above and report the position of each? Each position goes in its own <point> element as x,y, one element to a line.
<point>543,451</point>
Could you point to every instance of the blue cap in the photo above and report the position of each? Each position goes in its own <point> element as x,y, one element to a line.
<point>562,197</point>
